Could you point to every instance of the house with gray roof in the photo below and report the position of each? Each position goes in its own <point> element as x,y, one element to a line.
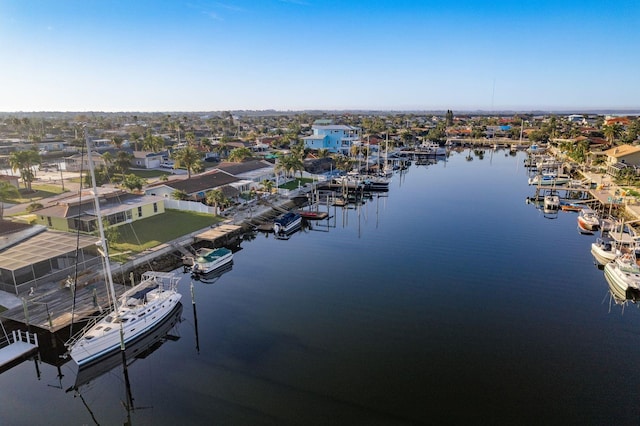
<point>197,186</point>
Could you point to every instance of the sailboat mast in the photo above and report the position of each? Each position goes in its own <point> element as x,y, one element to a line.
<point>103,241</point>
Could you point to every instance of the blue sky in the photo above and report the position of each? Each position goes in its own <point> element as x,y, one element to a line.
<point>198,55</point>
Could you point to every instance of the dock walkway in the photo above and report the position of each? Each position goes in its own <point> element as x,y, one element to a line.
<point>19,346</point>
<point>53,311</point>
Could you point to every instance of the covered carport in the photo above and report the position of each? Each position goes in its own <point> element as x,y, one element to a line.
<point>46,257</point>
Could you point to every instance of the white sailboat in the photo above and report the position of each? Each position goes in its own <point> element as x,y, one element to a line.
<point>135,313</point>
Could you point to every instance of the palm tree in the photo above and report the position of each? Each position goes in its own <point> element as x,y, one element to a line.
<point>323,153</point>
<point>267,185</point>
<point>190,137</point>
<point>179,194</point>
<point>7,192</point>
<point>122,162</point>
<point>238,155</point>
<point>25,161</point>
<point>117,141</point>
<point>189,158</point>
<point>216,198</point>
<point>612,132</point>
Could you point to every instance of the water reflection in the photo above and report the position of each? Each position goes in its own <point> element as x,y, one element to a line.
<point>87,376</point>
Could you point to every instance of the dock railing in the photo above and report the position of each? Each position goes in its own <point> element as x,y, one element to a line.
<point>18,336</point>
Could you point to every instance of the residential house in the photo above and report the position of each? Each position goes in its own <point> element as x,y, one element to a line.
<point>621,157</point>
<point>251,172</point>
<point>197,187</point>
<point>147,159</point>
<point>77,212</point>
<point>622,121</point>
<point>332,137</point>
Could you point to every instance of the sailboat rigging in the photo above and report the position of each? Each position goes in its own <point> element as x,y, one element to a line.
<point>135,313</point>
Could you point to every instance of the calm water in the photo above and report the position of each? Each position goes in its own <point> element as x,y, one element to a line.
<point>450,301</point>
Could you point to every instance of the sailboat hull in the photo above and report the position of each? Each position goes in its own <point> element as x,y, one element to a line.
<point>136,317</point>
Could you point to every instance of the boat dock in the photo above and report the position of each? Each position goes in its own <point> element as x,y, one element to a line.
<point>221,232</point>
<point>19,346</point>
<point>55,310</point>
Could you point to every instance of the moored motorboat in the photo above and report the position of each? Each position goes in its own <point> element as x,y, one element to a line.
<point>207,260</point>
<point>616,242</point>
<point>584,230</point>
<point>286,223</point>
<point>549,178</point>
<point>623,275</point>
<point>588,219</point>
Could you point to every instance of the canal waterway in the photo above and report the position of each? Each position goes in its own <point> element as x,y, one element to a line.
<point>448,301</point>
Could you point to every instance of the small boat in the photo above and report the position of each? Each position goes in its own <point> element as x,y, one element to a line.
<point>546,179</point>
<point>623,275</point>
<point>286,223</point>
<point>570,207</point>
<point>536,149</point>
<point>375,184</point>
<point>208,260</point>
<point>432,148</point>
<point>584,231</point>
<point>313,215</point>
<point>620,240</point>
<point>588,219</point>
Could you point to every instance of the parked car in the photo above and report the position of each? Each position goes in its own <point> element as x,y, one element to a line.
<point>167,165</point>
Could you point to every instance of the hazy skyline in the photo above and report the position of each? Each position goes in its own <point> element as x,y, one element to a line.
<point>314,55</point>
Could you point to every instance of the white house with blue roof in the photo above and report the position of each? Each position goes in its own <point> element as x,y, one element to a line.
<point>332,137</point>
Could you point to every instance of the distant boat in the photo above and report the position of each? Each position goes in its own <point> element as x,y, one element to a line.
<point>536,149</point>
<point>208,260</point>
<point>548,179</point>
<point>286,223</point>
<point>313,215</point>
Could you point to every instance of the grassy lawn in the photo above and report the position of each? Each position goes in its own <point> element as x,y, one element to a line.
<point>144,234</point>
<point>40,192</point>
<point>294,183</point>
<point>151,173</point>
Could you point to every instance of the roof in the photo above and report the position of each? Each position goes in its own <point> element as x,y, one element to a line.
<point>8,227</point>
<point>622,151</point>
<point>32,251</point>
<point>236,169</point>
<point>146,154</point>
<point>336,127</point>
<point>109,203</point>
<point>199,183</point>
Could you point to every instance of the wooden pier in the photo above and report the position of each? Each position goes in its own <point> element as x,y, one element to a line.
<point>53,311</point>
<point>217,233</point>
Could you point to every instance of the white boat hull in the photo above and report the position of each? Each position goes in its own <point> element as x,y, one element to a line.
<point>202,267</point>
<point>622,282</point>
<point>104,337</point>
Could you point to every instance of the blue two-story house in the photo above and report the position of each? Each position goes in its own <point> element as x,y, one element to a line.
<point>332,137</point>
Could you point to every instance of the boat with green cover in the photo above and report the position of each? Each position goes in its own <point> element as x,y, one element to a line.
<point>208,260</point>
